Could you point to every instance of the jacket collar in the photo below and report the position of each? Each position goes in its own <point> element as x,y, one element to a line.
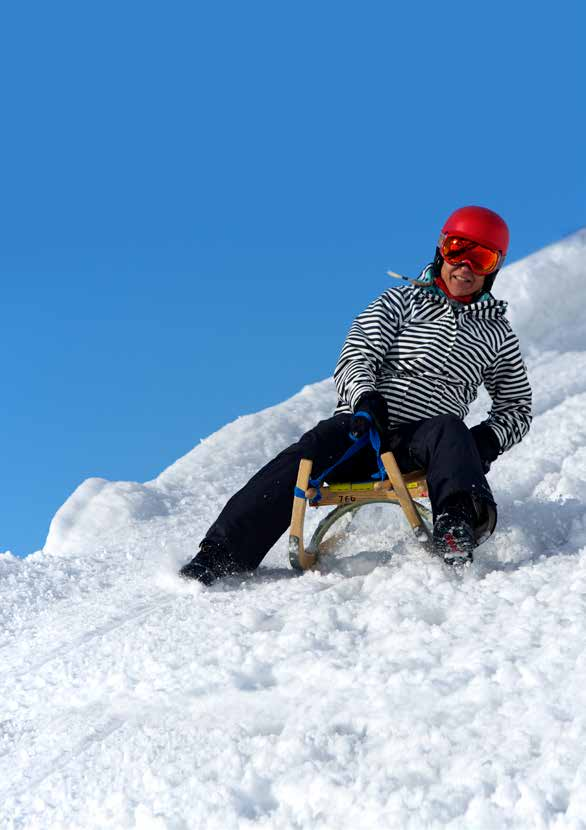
<point>426,284</point>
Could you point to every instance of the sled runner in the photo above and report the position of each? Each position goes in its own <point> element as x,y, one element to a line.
<point>348,497</point>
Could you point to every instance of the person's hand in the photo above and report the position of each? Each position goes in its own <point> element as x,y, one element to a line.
<point>374,405</point>
<point>487,445</point>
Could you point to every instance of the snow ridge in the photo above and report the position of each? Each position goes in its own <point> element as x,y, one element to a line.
<point>375,692</point>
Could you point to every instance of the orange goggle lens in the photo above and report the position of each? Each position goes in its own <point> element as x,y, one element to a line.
<point>455,249</point>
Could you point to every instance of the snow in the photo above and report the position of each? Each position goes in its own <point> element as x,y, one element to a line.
<point>376,692</point>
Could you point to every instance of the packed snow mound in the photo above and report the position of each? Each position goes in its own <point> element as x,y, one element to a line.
<point>375,692</point>
<point>100,507</point>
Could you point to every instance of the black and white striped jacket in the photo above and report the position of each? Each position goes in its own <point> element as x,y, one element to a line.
<point>428,355</point>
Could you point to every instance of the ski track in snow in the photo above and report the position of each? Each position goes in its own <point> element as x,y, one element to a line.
<point>377,692</point>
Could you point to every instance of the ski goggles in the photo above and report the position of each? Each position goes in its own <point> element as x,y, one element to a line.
<point>482,260</point>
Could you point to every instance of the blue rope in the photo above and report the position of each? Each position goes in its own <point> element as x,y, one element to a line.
<point>375,441</point>
<point>373,437</point>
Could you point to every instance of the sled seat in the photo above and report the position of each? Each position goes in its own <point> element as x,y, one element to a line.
<point>347,497</point>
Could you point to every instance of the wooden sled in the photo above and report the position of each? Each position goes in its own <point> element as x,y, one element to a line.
<point>345,498</point>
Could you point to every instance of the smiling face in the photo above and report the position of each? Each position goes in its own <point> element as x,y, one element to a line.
<point>461,279</point>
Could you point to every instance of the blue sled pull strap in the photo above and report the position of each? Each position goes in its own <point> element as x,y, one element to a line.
<point>352,450</point>
<point>358,443</point>
<point>375,443</point>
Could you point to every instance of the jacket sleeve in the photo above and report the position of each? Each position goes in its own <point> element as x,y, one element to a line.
<point>508,385</point>
<point>367,343</point>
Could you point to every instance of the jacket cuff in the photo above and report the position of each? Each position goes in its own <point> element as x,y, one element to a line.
<point>357,393</point>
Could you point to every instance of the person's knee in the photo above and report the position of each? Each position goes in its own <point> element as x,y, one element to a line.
<point>322,435</point>
<point>306,446</point>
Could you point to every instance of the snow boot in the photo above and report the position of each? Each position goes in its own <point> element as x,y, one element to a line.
<point>454,539</point>
<point>211,562</point>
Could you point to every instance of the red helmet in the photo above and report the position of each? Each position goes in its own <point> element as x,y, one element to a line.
<point>480,225</point>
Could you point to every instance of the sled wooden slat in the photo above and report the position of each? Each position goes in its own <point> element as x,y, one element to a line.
<point>411,479</point>
<point>297,554</point>
<point>398,489</point>
<point>330,497</point>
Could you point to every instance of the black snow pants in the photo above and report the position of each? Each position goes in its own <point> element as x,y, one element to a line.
<point>258,514</point>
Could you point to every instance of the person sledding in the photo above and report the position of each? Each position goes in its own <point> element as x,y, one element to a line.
<point>412,362</point>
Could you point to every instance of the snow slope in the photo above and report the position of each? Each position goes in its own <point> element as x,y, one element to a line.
<point>377,692</point>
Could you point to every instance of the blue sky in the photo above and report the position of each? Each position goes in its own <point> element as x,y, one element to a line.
<point>196,199</point>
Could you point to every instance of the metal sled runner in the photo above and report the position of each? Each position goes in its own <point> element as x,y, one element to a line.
<point>396,489</point>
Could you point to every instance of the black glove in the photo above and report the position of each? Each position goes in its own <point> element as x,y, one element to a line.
<point>487,444</point>
<point>374,405</point>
